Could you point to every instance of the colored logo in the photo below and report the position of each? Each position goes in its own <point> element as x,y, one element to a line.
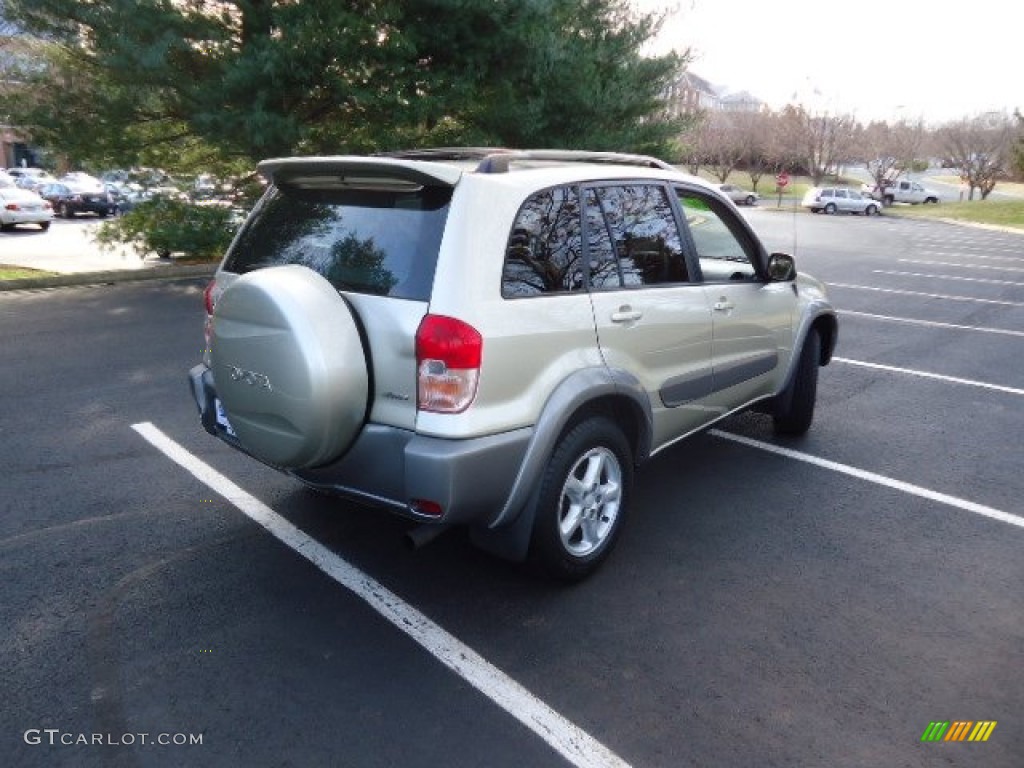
<point>958,730</point>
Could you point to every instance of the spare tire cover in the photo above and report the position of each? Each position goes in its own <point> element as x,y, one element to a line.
<point>289,366</point>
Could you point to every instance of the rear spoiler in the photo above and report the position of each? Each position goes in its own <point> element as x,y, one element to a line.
<point>357,173</point>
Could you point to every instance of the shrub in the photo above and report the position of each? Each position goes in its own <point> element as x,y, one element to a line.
<point>166,226</point>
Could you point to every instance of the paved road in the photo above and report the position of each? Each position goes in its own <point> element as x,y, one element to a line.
<point>761,610</point>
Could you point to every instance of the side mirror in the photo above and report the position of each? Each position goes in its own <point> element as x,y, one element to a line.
<point>781,268</point>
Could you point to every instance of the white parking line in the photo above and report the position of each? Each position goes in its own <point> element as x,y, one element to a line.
<point>986,280</point>
<point>925,295</point>
<point>932,323</point>
<point>927,375</point>
<point>986,256</point>
<point>569,740</point>
<point>968,249</point>
<point>931,263</point>
<point>872,477</point>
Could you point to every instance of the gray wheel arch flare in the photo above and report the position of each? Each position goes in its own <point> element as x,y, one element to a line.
<point>574,394</point>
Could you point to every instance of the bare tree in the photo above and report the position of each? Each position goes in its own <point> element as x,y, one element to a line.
<point>725,148</point>
<point>754,131</point>
<point>693,141</point>
<point>1018,146</point>
<point>786,145</point>
<point>823,139</point>
<point>888,151</point>
<point>981,148</point>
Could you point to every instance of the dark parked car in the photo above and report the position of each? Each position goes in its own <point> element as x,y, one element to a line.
<point>69,199</point>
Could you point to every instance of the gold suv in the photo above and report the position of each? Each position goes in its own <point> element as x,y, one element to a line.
<point>497,338</point>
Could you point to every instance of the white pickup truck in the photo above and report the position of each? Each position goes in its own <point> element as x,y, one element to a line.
<point>901,191</point>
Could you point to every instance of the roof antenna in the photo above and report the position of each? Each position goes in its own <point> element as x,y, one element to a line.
<point>781,182</point>
<point>794,229</point>
<point>793,203</point>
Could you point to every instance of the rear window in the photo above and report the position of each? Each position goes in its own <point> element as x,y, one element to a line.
<point>381,242</point>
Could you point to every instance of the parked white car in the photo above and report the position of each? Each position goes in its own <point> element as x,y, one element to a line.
<point>21,206</point>
<point>901,191</point>
<point>839,200</point>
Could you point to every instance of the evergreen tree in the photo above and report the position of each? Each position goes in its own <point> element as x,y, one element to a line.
<point>248,79</point>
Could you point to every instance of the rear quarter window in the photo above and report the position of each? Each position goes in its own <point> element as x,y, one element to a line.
<point>543,254</point>
<point>380,242</point>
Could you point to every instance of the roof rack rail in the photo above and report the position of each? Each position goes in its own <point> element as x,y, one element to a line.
<point>443,153</point>
<point>499,161</point>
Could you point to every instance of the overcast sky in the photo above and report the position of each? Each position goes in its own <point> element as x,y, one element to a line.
<point>946,59</point>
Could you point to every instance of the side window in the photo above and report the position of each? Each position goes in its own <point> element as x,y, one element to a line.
<point>632,237</point>
<point>723,248</point>
<point>544,247</point>
<point>826,193</point>
<point>841,194</point>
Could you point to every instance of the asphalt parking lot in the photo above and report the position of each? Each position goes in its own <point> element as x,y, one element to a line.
<point>812,602</point>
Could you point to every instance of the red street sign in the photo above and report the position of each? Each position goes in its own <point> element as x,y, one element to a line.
<point>782,179</point>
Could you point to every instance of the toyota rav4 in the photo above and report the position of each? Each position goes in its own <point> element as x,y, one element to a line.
<point>496,339</point>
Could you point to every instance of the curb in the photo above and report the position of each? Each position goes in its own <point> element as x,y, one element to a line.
<point>110,277</point>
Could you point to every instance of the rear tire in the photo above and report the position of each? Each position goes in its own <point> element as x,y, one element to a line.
<point>830,208</point>
<point>44,225</point>
<point>794,408</point>
<point>583,500</point>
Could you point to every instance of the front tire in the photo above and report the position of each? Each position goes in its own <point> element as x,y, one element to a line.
<point>582,502</point>
<point>794,407</point>
<point>871,210</point>
<point>751,200</point>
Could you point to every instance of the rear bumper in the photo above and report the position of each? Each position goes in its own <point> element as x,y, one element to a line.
<point>470,480</point>
<point>26,217</point>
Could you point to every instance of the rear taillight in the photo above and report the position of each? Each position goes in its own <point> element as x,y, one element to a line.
<point>11,207</point>
<point>208,301</point>
<point>448,354</point>
<point>208,296</point>
<point>426,507</point>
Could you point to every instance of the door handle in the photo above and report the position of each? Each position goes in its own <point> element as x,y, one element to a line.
<point>626,314</point>
<point>723,305</point>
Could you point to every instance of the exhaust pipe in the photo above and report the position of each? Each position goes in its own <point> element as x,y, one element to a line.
<point>422,535</point>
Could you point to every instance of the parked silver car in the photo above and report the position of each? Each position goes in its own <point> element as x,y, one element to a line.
<point>839,200</point>
<point>739,195</point>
